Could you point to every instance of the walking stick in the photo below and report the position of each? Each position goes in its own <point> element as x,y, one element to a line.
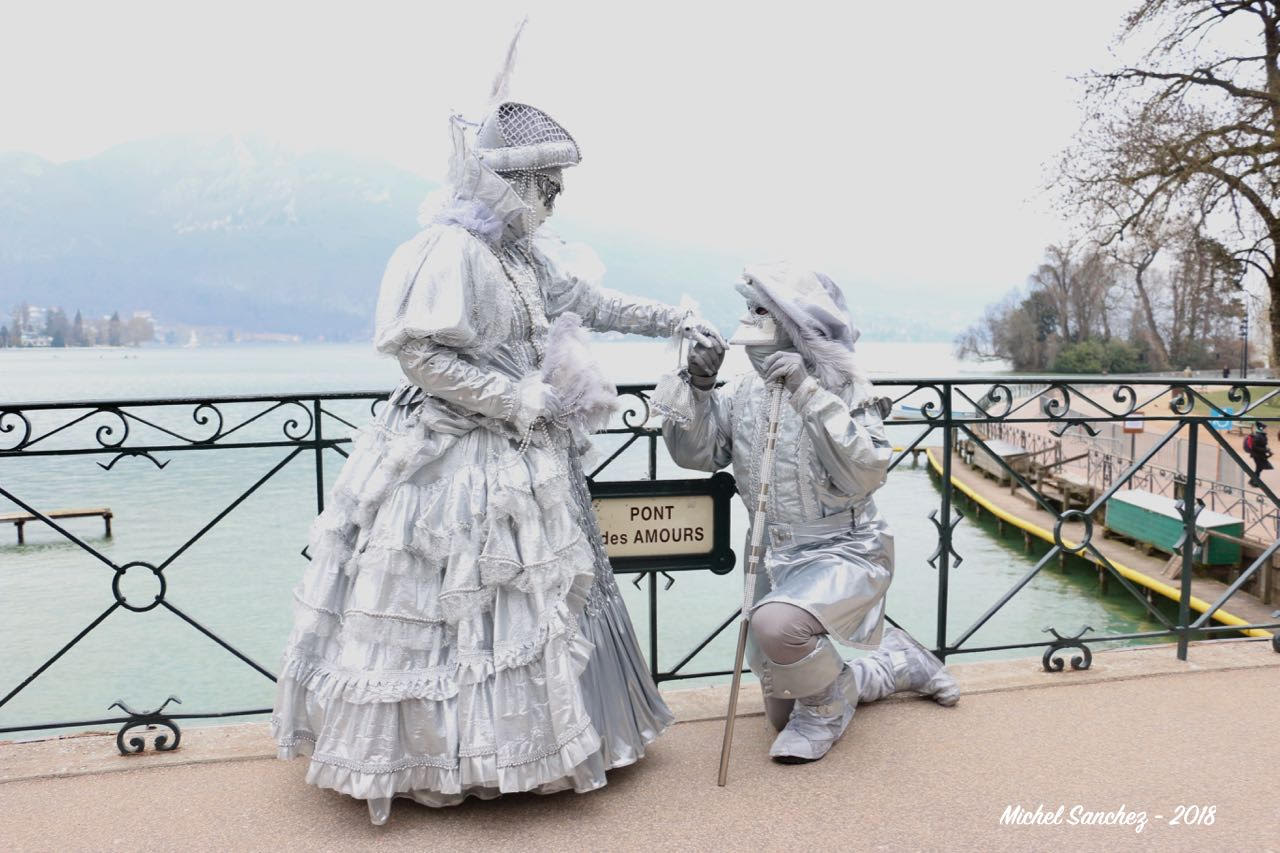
<point>754,555</point>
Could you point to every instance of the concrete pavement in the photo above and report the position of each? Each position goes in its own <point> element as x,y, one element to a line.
<point>1141,732</point>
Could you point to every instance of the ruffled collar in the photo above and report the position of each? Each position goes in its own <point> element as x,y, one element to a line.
<point>485,204</point>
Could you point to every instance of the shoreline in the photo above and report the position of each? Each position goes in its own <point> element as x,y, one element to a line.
<point>1140,578</point>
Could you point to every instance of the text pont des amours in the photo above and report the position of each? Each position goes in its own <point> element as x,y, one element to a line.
<point>655,526</point>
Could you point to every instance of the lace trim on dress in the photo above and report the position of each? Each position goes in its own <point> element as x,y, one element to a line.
<point>447,782</point>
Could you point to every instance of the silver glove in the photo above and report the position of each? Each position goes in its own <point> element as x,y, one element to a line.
<point>786,367</point>
<point>704,363</point>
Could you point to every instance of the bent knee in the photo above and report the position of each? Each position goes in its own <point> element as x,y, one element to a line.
<point>785,633</point>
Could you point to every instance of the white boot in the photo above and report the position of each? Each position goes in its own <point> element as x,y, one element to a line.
<point>817,722</point>
<point>916,668</point>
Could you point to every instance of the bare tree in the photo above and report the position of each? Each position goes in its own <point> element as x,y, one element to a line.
<point>1202,283</point>
<point>139,330</point>
<point>1068,299</point>
<point>1020,329</point>
<point>1191,129</point>
<point>1137,255</point>
<point>1080,281</point>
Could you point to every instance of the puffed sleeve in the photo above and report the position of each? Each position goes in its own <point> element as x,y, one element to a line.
<point>431,290</point>
<point>705,442</point>
<point>431,313</point>
<point>850,444</point>
<point>574,274</point>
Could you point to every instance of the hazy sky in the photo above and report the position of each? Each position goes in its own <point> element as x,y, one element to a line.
<point>899,144</point>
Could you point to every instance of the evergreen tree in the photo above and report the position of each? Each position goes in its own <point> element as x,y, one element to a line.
<point>77,332</point>
<point>56,327</point>
<point>113,329</point>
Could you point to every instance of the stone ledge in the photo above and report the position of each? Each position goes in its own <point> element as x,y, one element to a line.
<point>89,753</point>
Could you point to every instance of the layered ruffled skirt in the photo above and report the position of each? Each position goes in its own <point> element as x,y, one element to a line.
<point>458,631</point>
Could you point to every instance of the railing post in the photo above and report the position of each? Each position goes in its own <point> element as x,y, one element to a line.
<point>653,626</point>
<point>315,410</point>
<point>1188,542</point>
<point>653,576</point>
<point>944,530</point>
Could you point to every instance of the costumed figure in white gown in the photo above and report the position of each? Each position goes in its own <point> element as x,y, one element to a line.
<point>459,631</point>
<point>829,558</point>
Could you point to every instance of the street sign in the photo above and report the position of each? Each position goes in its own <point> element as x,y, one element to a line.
<point>666,525</point>
<point>1222,423</point>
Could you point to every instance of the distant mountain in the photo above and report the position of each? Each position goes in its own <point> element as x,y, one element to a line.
<point>240,232</point>
<point>229,231</point>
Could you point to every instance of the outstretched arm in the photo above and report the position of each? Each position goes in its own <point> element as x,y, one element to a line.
<point>607,310</point>
<point>574,275</point>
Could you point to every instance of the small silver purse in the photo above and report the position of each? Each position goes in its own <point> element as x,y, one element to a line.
<point>673,394</point>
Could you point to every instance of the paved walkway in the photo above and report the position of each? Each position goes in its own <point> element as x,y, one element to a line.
<point>1140,731</point>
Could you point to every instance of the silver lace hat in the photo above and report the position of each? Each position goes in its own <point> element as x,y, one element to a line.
<point>518,137</point>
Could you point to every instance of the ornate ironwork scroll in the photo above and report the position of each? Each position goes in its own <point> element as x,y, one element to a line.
<point>147,720</point>
<point>1052,659</point>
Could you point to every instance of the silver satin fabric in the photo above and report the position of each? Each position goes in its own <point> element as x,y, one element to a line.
<point>829,551</point>
<point>459,631</point>
<point>874,677</point>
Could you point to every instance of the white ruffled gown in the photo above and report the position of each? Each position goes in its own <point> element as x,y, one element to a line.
<point>459,631</point>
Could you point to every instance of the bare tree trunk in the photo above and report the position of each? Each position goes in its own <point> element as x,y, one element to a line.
<point>1194,283</point>
<point>1139,270</point>
<point>1271,38</point>
<point>1273,312</point>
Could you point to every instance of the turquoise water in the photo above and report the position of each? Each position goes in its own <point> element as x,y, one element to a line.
<point>238,577</point>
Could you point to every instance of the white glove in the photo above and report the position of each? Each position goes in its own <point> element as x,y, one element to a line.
<point>695,329</point>
<point>784,367</point>
<point>536,400</point>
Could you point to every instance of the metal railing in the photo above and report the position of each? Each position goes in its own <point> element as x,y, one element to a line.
<point>1099,458</point>
<point>310,427</point>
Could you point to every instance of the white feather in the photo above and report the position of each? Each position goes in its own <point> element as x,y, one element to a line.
<point>502,83</point>
<point>569,367</point>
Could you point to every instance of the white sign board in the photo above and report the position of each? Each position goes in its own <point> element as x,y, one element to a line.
<point>656,526</point>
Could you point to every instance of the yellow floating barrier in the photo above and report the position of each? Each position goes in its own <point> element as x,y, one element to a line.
<point>1197,604</point>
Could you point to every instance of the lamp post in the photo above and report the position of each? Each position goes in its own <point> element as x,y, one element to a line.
<point>1244,339</point>
<point>1242,310</point>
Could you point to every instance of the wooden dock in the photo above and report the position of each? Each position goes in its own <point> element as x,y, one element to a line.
<point>20,519</point>
<point>1136,565</point>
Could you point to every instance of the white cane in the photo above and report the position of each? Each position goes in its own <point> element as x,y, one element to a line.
<point>754,556</point>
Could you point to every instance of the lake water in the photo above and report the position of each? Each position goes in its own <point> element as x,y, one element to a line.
<point>237,578</point>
